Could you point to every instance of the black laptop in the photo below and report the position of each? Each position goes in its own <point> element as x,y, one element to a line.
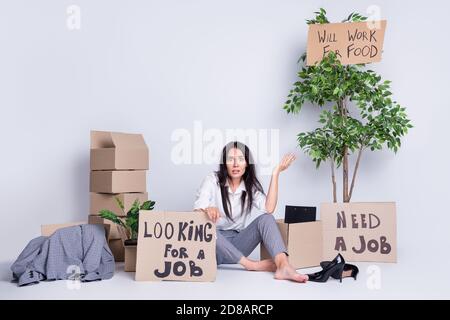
<point>296,214</point>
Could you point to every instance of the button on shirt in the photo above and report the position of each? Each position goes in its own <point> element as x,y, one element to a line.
<point>208,195</point>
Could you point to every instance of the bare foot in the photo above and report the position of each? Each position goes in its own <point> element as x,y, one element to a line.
<point>263,265</point>
<point>287,272</point>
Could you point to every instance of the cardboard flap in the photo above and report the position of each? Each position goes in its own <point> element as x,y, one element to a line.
<point>106,139</point>
<point>128,140</point>
<point>101,139</point>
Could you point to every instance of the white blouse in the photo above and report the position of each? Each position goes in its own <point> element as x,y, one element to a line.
<point>208,195</point>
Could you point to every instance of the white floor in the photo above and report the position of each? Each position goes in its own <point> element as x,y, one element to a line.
<point>376,281</point>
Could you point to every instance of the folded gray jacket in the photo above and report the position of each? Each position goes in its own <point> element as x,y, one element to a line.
<point>78,252</point>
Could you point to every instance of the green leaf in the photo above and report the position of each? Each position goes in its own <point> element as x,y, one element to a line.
<point>135,206</point>
<point>148,205</point>
<point>109,215</point>
<point>119,203</point>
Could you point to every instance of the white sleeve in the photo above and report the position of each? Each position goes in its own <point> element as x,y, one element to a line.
<point>259,201</point>
<point>205,194</point>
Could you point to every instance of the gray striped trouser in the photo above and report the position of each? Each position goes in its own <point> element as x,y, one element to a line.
<point>232,245</point>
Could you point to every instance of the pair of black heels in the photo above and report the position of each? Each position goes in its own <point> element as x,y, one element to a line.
<point>337,269</point>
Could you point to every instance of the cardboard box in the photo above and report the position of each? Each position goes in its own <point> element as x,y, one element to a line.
<point>303,242</point>
<point>114,232</point>
<point>130,258</point>
<point>118,181</point>
<point>48,229</point>
<point>176,246</point>
<point>100,201</point>
<point>118,151</point>
<point>117,249</point>
<point>360,231</point>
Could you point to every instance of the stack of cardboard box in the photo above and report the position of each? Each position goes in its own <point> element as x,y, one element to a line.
<point>118,169</point>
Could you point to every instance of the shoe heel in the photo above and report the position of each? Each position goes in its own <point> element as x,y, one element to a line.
<point>333,269</point>
<point>355,272</point>
<point>341,271</point>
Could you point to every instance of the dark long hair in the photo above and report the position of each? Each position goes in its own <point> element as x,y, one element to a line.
<point>250,180</point>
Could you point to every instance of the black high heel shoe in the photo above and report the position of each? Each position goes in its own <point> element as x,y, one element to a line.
<point>350,270</point>
<point>335,267</point>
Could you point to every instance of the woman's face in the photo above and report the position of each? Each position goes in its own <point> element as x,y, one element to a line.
<point>236,163</point>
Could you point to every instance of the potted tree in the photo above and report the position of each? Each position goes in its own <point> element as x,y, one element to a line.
<point>375,121</point>
<point>128,226</point>
<point>357,114</point>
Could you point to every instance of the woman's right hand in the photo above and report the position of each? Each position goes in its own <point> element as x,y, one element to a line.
<point>213,213</point>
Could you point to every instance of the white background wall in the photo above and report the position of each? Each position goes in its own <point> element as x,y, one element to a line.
<point>156,66</point>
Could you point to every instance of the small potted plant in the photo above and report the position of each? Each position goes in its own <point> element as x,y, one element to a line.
<point>128,226</point>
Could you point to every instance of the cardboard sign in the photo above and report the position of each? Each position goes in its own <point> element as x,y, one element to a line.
<point>176,246</point>
<point>353,42</point>
<point>360,231</point>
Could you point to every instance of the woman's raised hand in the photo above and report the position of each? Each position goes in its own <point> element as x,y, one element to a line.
<point>285,162</point>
